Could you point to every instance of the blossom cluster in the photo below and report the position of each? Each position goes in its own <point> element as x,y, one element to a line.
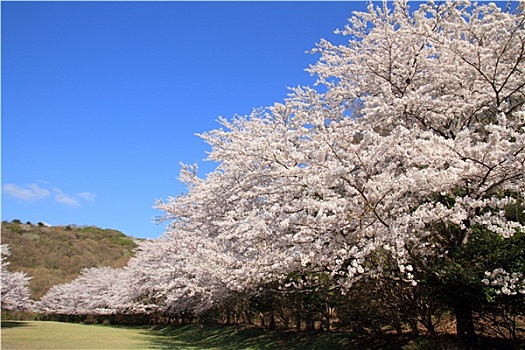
<point>505,282</point>
<point>15,294</point>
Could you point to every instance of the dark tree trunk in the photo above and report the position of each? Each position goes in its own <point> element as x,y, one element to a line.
<point>328,317</point>
<point>328,322</point>
<point>465,324</point>
<point>248,316</point>
<point>272,321</point>
<point>297,323</point>
<point>310,326</point>
<point>413,327</point>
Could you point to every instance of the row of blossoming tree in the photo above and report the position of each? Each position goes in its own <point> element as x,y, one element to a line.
<point>396,184</point>
<point>15,293</point>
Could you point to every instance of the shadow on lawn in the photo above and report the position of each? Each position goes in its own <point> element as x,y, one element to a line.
<point>13,324</point>
<point>191,337</point>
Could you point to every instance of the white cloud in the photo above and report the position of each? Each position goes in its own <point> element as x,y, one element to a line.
<point>88,196</point>
<point>65,199</point>
<point>34,192</point>
<point>28,193</point>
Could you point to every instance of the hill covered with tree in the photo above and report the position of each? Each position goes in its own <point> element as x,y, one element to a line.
<point>57,254</point>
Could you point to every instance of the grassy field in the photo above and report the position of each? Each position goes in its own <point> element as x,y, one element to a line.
<point>23,335</point>
<point>55,335</point>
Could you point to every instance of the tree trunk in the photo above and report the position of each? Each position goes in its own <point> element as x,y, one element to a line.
<point>272,321</point>
<point>413,327</point>
<point>465,324</point>
<point>297,323</point>
<point>310,326</point>
<point>328,318</point>
<point>248,316</point>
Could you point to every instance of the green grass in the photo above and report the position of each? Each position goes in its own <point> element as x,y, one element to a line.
<point>22,335</point>
<point>55,335</point>
<point>191,337</point>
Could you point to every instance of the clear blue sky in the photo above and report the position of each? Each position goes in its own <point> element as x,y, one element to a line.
<point>101,100</point>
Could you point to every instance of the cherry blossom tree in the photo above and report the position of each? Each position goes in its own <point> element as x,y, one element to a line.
<point>97,291</point>
<point>409,148</point>
<point>416,143</point>
<point>178,275</point>
<point>442,93</point>
<point>15,294</point>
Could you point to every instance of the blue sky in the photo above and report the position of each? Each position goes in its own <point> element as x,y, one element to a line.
<point>102,100</point>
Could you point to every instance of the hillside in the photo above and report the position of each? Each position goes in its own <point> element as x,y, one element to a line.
<point>56,254</point>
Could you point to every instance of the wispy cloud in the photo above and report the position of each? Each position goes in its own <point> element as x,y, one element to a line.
<point>65,199</point>
<point>34,192</point>
<point>28,193</point>
<point>88,196</point>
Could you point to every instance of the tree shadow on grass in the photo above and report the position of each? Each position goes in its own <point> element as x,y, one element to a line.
<point>211,337</point>
<point>13,324</point>
<point>191,337</point>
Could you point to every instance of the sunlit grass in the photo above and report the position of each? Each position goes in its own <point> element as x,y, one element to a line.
<point>56,335</point>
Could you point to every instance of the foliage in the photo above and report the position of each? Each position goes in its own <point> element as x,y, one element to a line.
<point>468,270</point>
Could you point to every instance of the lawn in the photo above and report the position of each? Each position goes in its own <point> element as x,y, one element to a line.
<point>23,335</point>
<point>55,335</point>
